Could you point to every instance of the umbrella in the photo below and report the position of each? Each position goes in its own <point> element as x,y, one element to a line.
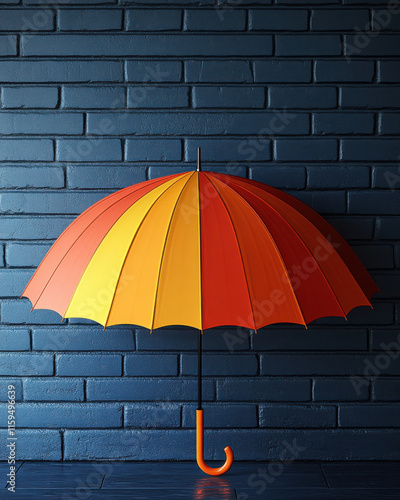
<point>200,249</point>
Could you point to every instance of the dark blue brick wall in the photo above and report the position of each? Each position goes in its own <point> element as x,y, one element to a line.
<point>303,95</point>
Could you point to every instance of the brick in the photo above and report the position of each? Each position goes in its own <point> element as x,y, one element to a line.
<point>343,123</point>
<point>153,45</point>
<point>153,71</point>
<point>18,176</point>
<point>376,202</point>
<point>282,71</point>
<point>131,444</point>
<point>307,2</point>
<point>223,416</point>
<point>302,97</point>
<point>221,365</point>
<point>388,284</point>
<point>147,390</point>
<point>152,416</point>
<point>60,71</point>
<point>82,338</point>
<point>334,20</point>
<point>321,177</point>
<point>256,389</point>
<point>212,20</point>
<point>35,445</point>
<point>5,383</point>
<point>368,2</point>
<point>55,202</point>
<point>29,97</point>
<point>93,97</point>
<point>2,256</point>
<point>317,364</point>
<point>88,365</point>
<point>158,97</point>
<point>383,45</point>
<point>280,177</point>
<point>44,389</point>
<point>385,340</point>
<point>228,97</point>
<point>153,19</point>
<point>297,416</point>
<point>13,281</point>
<point>26,149</point>
<point>69,2</point>
<point>218,71</point>
<point>381,314</point>
<point>322,201</point>
<point>151,365</point>
<point>183,340</point>
<point>373,97</point>
<point>57,415</point>
<point>89,149</point>
<point>26,20</point>
<point>308,45</point>
<point>369,416</point>
<point>328,389</point>
<point>26,364</point>
<point>112,176</point>
<point>14,340</point>
<point>8,45</point>
<point>387,228</point>
<point>389,123</point>
<point>384,20</point>
<point>311,339</point>
<point>25,254</point>
<point>89,19</point>
<point>305,149</point>
<point>41,123</point>
<point>370,149</point>
<point>375,257</point>
<point>147,150</point>
<point>388,71</point>
<point>344,71</point>
<point>18,312</point>
<point>278,20</point>
<point>386,389</point>
<point>228,149</point>
<point>194,123</point>
<point>28,228</point>
<point>354,228</point>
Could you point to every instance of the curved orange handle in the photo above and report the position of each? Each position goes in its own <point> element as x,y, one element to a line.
<point>200,450</point>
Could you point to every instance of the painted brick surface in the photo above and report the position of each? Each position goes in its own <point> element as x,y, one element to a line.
<point>299,94</point>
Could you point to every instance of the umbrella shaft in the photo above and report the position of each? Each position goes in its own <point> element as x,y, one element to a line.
<point>199,372</point>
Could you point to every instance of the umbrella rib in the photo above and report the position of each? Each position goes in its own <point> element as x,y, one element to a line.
<point>276,248</point>
<point>239,248</point>
<point>80,235</point>
<point>130,246</point>
<point>163,251</point>
<point>322,271</point>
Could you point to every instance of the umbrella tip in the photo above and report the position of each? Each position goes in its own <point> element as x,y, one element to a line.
<point>198,159</point>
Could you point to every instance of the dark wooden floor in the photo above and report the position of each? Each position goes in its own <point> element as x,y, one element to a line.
<point>183,480</point>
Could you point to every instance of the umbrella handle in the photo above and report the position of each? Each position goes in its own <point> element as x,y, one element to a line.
<point>200,450</point>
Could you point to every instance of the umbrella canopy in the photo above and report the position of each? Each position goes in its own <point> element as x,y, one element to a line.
<point>200,249</point>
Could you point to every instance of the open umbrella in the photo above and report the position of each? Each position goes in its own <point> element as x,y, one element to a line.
<point>200,249</point>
